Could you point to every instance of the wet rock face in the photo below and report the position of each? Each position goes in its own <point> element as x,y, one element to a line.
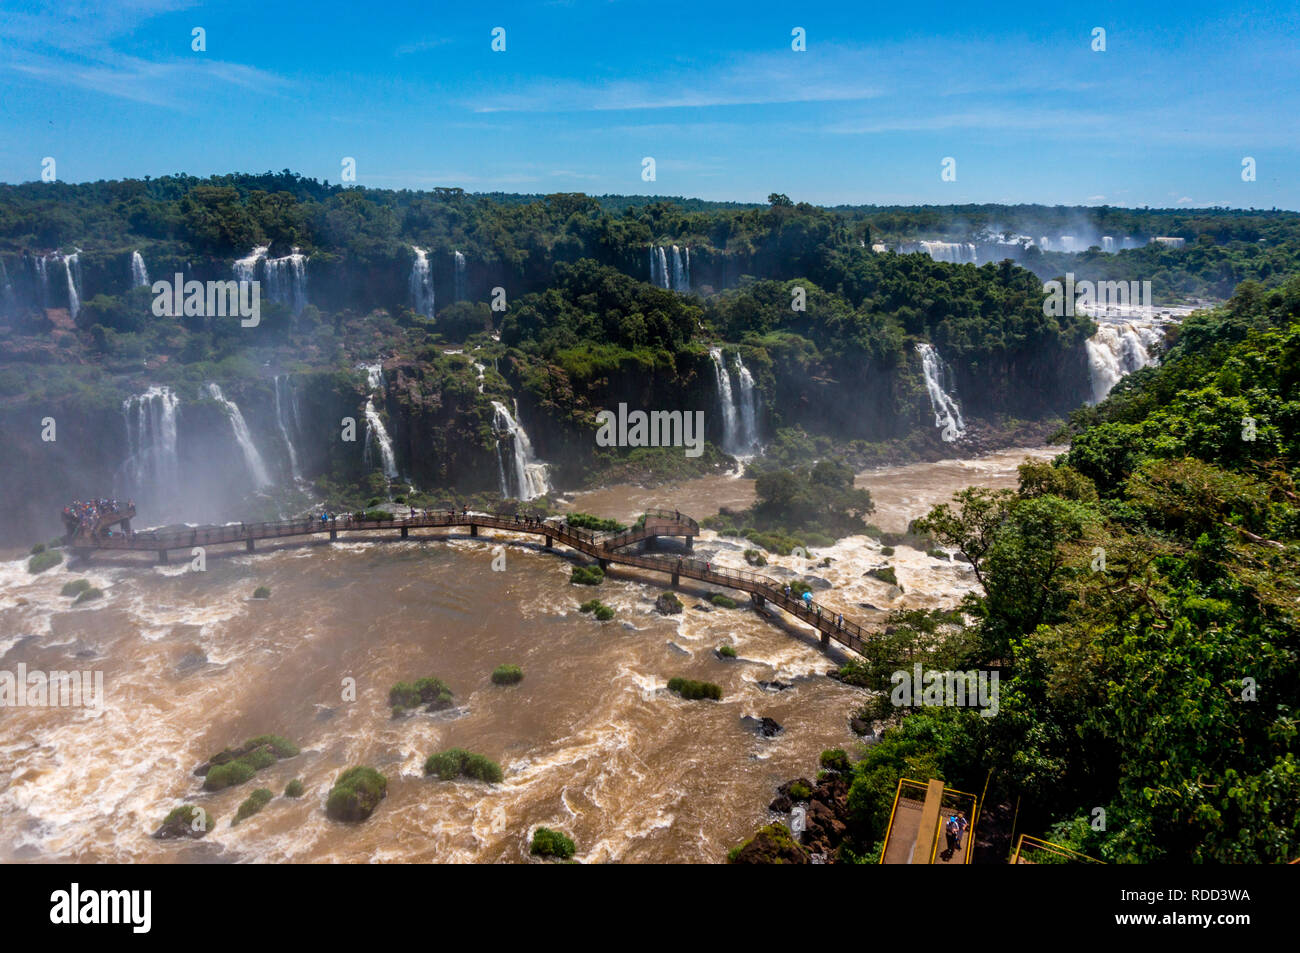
<point>763,726</point>
<point>668,604</point>
<point>772,845</point>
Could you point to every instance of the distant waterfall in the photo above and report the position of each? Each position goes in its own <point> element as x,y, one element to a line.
<point>284,395</point>
<point>955,252</point>
<point>748,400</point>
<point>676,279</point>
<point>72,265</point>
<point>1107,243</point>
<point>8,300</point>
<point>246,268</point>
<point>946,412</point>
<point>375,432</point>
<point>256,466</point>
<point>139,274</point>
<point>152,463</point>
<point>681,281</point>
<point>739,406</point>
<point>481,369</point>
<point>1119,349</point>
<point>529,474</point>
<point>286,281</point>
<point>421,283</point>
<point>459,286</point>
<point>41,269</point>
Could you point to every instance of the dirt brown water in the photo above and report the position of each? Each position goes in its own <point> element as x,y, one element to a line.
<point>590,741</point>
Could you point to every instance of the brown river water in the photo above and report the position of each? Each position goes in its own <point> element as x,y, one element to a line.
<point>590,742</point>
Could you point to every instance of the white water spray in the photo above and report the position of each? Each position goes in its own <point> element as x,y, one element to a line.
<point>252,459</point>
<point>139,274</point>
<point>530,479</point>
<point>947,415</point>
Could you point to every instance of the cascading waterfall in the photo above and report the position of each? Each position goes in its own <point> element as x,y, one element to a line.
<point>1107,243</point>
<point>955,252</point>
<point>72,265</point>
<point>459,284</point>
<point>284,395</point>
<point>246,268</point>
<point>8,300</point>
<point>252,459</point>
<point>659,274</point>
<point>725,401</point>
<point>481,371</point>
<point>286,281</point>
<point>947,415</point>
<point>421,283</point>
<point>747,397</point>
<point>151,427</point>
<point>139,274</point>
<point>41,268</point>
<point>375,432</point>
<point>1117,349</point>
<point>680,280</point>
<point>530,478</point>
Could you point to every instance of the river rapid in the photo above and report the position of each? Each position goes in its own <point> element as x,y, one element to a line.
<point>591,742</point>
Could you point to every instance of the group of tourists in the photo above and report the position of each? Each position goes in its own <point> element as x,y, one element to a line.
<point>83,516</point>
<point>954,829</point>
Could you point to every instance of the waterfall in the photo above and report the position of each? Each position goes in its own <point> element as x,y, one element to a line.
<point>687,286</point>
<point>659,266</point>
<point>481,370</point>
<point>246,268</point>
<point>458,287</point>
<point>1107,243</point>
<point>421,283</point>
<point>72,265</point>
<point>1118,349</point>
<point>8,301</point>
<point>286,281</point>
<point>530,480</point>
<point>253,459</point>
<point>946,413</point>
<point>282,384</point>
<point>748,400</point>
<point>139,274</point>
<point>954,252</point>
<point>42,281</point>
<point>152,462</point>
<point>680,281</point>
<point>725,401</point>
<point>375,432</point>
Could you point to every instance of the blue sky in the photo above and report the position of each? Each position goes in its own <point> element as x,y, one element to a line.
<point>713,91</point>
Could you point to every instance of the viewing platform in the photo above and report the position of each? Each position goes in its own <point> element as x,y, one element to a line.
<point>605,548</point>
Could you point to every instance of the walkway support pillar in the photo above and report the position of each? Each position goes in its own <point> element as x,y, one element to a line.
<point>473,529</point>
<point>549,541</point>
<point>604,564</point>
<point>676,580</point>
<point>826,640</point>
<point>756,599</point>
<point>248,544</point>
<point>162,557</point>
<point>334,534</point>
<point>404,532</point>
<point>690,544</point>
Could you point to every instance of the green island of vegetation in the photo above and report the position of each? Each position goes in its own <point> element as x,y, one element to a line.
<point>549,843</point>
<point>693,690</point>
<point>233,766</point>
<point>355,794</point>
<point>457,762</point>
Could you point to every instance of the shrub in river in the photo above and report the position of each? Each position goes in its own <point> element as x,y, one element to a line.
<point>236,765</point>
<point>87,595</point>
<point>37,549</point>
<point>252,804</point>
<point>938,554</point>
<point>800,791</point>
<point>722,602</point>
<point>755,558</point>
<point>549,843</point>
<point>356,794</point>
<point>727,651</point>
<point>668,604</point>
<point>46,559</point>
<point>75,588</point>
<point>457,762</point>
<point>374,515</point>
<point>262,592</point>
<point>835,759</point>
<point>693,690</point>
<point>594,523</point>
<point>186,821</point>
<point>587,575</point>
<point>430,691</point>
<point>885,574</point>
<point>772,844</point>
<point>507,675</point>
<point>597,608</point>
<point>294,788</point>
<point>886,550</point>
